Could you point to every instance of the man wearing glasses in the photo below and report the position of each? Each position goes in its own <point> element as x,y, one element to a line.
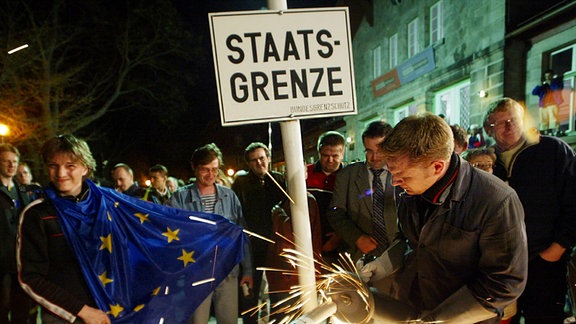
<point>258,192</point>
<point>536,166</point>
<point>205,195</point>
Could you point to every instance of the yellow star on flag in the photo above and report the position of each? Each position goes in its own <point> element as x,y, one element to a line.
<point>139,307</point>
<point>106,243</point>
<point>187,257</point>
<point>109,216</point>
<point>115,310</point>
<point>143,217</point>
<point>104,279</point>
<point>116,204</point>
<point>171,235</point>
<point>156,291</point>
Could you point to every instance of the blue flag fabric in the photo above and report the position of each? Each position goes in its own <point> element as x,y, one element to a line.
<point>141,259</point>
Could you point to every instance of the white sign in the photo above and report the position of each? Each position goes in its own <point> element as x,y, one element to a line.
<point>274,66</point>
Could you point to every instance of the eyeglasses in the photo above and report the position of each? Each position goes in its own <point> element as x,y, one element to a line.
<point>483,166</point>
<point>503,123</point>
<point>208,170</point>
<point>258,159</point>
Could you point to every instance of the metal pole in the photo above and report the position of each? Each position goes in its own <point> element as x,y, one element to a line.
<point>292,144</point>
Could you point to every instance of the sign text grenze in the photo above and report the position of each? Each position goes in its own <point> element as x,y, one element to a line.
<point>284,66</point>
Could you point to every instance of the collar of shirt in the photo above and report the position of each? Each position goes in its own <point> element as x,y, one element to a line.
<point>438,193</point>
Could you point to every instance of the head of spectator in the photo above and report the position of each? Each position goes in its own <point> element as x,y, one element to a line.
<point>158,176</point>
<point>504,122</point>
<point>418,152</point>
<point>223,179</point>
<point>24,174</point>
<point>372,137</point>
<point>460,139</point>
<point>172,184</point>
<point>9,159</point>
<point>123,177</point>
<point>206,162</point>
<point>69,161</point>
<point>257,156</point>
<point>331,146</point>
<point>481,158</point>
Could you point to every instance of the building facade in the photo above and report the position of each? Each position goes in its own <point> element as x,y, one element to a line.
<point>452,57</point>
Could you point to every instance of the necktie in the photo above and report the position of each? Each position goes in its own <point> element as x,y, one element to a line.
<point>379,227</point>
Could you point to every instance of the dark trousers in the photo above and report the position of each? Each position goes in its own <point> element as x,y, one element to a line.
<point>251,303</point>
<point>14,301</point>
<point>545,295</point>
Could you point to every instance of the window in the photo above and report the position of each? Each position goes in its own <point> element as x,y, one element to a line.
<point>454,103</point>
<point>377,62</point>
<point>403,112</point>
<point>413,38</point>
<point>393,50</point>
<point>436,22</point>
<point>563,61</point>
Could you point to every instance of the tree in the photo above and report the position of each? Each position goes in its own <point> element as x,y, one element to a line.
<point>86,59</point>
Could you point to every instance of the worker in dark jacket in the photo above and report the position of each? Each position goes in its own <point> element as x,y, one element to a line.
<point>464,233</point>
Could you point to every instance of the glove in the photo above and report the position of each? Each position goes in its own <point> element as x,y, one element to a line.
<point>377,269</point>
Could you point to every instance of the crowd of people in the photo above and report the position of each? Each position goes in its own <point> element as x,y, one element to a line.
<point>436,221</point>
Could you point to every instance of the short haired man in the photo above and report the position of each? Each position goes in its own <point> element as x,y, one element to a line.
<point>460,139</point>
<point>13,198</point>
<point>537,168</point>
<point>351,211</point>
<point>69,161</point>
<point>320,180</point>
<point>123,177</point>
<point>172,184</point>
<point>258,194</point>
<point>23,174</point>
<point>464,230</point>
<point>158,177</point>
<point>205,195</point>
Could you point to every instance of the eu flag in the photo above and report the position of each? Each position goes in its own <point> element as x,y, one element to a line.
<point>143,262</point>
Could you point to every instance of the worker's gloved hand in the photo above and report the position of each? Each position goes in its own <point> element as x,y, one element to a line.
<point>375,270</point>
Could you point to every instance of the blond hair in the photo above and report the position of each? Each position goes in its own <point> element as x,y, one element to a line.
<point>77,148</point>
<point>423,137</point>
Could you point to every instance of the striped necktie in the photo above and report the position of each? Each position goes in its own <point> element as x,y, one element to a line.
<point>379,228</point>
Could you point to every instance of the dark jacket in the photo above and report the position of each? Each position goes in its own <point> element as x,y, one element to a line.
<point>9,213</point>
<point>472,242</point>
<point>540,175</point>
<point>350,212</point>
<point>258,197</point>
<point>48,263</point>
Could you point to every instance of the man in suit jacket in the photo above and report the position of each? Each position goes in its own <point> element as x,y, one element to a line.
<point>351,211</point>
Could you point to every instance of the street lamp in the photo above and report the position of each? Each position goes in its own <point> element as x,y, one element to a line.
<point>4,130</point>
